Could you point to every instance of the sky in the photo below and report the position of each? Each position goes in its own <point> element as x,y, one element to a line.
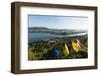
<point>58,22</point>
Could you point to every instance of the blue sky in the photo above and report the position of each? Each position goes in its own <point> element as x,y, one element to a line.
<point>58,22</point>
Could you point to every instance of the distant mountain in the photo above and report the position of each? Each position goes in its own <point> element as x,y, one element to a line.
<point>38,28</point>
<point>55,31</point>
<point>46,28</point>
